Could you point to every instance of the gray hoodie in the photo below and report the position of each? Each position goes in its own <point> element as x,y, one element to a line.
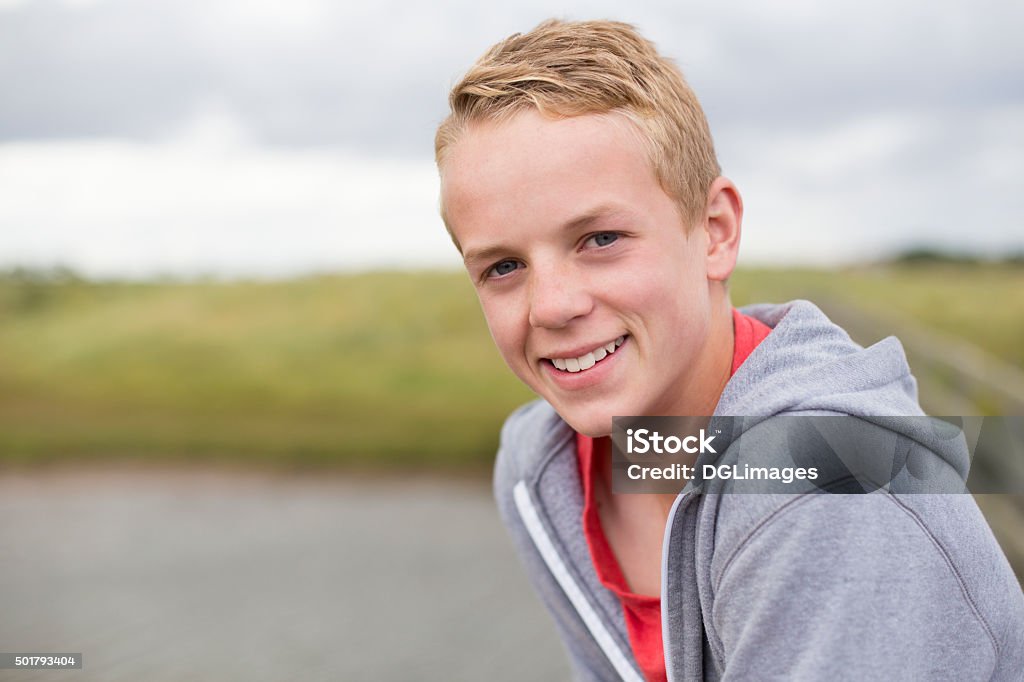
<point>780,586</point>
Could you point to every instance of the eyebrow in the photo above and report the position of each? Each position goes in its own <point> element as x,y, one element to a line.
<point>485,254</point>
<point>597,214</point>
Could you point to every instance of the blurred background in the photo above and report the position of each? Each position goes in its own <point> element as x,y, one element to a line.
<point>248,404</point>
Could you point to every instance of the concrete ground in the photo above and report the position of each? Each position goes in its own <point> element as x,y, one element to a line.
<point>173,575</point>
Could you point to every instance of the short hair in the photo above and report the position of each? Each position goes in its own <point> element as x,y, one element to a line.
<point>566,69</point>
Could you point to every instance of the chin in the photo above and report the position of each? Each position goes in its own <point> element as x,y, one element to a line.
<point>587,424</point>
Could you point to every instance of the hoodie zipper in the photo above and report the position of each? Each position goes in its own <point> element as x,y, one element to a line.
<point>542,541</point>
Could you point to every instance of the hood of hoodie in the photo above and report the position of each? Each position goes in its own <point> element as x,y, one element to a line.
<point>810,366</point>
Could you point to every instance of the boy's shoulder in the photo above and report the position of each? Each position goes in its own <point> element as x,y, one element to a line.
<point>891,566</point>
<point>810,364</point>
<point>530,434</point>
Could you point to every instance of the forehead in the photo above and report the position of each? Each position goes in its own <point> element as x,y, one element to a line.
<point>535,166</point>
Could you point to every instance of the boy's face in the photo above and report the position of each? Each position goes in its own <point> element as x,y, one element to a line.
<point>574,248</point>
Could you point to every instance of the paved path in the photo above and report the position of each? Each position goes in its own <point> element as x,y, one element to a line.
<point>217,576</point>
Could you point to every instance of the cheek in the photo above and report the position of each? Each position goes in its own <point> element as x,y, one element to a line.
<point>668,298</point>
<point>651,289</point>
<point>505,329</point>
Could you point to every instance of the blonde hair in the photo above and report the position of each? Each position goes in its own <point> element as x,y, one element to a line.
<point>592,67</point>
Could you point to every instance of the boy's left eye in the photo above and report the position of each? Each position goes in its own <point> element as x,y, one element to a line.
<point>603,238</point>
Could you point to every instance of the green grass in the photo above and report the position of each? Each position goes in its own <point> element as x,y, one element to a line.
<point>382,369</point>
<point>982,303</point>
<point>378,368</point>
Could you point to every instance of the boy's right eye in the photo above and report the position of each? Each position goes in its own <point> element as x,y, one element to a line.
<point>503,268</point>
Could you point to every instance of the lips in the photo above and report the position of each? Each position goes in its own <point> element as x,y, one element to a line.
<point>587,360</point>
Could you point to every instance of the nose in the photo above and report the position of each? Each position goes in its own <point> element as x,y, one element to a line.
<point>558,295</point>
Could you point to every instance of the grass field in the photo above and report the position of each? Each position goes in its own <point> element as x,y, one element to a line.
<point>379,369</point>
<point>983,304</point>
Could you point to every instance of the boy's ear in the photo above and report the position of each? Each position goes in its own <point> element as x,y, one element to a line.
<point>723,217</point>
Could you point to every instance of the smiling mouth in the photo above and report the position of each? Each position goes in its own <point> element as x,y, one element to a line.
<point>588,360</point>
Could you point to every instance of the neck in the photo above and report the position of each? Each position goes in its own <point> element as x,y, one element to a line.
<point>713,367</point>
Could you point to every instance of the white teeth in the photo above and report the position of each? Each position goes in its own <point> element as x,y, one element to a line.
<point>590,359</point>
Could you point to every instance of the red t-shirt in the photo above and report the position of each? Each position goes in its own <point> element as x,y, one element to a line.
<point>643,612</point>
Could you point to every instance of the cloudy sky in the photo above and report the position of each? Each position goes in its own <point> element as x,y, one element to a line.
<point>237,138</point>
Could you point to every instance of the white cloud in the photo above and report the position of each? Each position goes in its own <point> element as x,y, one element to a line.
<point>871,186</point>
<point>117,208</point>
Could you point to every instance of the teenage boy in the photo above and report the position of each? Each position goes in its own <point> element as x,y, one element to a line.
<point>580,184</point>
